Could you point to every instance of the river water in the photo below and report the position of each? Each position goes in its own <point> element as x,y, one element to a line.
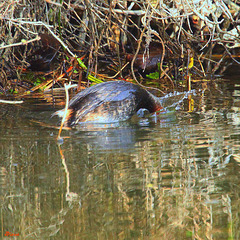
<point>172,176</point>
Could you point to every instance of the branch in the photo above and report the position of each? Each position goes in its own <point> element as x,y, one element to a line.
<point>40,23</point>
<point>10,102</point>
<point>23,42</point>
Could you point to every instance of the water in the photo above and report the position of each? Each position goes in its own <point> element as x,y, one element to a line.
<point>173,176</point>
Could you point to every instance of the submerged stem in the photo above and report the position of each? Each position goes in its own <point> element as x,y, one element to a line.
<point>66,86</point>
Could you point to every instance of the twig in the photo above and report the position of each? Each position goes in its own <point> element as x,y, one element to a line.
<point>54,3</point>
<point>125,12</point>
<point>135,56</point>
<point>40,23</point>
<point>10,102</point>
<point>66,86</point>
<point>119,71</point>
<point>163,55</point>
<point>23,42</point>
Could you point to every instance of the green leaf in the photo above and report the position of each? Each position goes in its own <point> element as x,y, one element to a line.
<point>13,91</point>
<point>94,79</point>
<point>154,75</point>
<point>37,82</point>
<point>80,62</point>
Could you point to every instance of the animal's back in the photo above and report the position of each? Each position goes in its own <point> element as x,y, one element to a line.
<point>109,102</point>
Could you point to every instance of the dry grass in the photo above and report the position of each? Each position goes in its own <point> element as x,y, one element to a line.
<point>108,30</point>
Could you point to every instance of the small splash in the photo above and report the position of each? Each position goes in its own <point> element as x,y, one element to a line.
<point>172,100</point>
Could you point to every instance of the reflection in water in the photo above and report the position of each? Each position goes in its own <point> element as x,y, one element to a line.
<point>173,178</point>
<point>107,136</point>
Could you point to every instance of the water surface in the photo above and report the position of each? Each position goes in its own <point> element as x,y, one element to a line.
<point>174,176</point>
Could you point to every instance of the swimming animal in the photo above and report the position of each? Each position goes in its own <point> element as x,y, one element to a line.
<point>109,102</point>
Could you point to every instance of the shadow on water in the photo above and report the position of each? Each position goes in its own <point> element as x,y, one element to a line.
<point>172,176</point>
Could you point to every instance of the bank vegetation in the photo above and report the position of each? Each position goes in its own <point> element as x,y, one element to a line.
<point>166,43</point>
